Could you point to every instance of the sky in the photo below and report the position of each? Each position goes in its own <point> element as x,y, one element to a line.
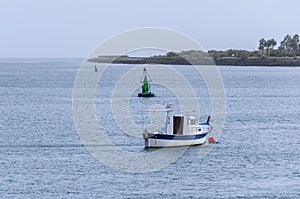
<point>73,28</point>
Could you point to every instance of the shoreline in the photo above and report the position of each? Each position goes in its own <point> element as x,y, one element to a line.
<point>203,60</point>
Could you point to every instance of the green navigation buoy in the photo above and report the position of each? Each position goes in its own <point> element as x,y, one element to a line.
<point>146,88</point>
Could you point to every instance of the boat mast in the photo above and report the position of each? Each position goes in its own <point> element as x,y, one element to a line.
<point>168,119</point>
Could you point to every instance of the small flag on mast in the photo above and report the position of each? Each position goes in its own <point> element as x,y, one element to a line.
<point>169,106</point>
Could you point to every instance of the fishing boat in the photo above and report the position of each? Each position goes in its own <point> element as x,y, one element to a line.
<point>146,88</point>
<point>181,129</point>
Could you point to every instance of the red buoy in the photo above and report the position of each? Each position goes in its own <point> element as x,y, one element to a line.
<point>211,140</point>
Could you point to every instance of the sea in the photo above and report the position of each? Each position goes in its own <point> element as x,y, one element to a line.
<point>257,154</point>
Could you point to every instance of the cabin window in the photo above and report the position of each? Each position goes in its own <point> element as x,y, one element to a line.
<point>192,122</point>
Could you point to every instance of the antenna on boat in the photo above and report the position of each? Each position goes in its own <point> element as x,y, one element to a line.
<point>208,119</point>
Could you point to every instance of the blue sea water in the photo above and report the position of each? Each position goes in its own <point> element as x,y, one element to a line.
<point>41,155</point>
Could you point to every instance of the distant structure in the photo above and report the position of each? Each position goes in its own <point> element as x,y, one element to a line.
<point>146,88</point>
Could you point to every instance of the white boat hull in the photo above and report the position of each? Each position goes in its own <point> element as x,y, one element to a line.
<point>163,140</point>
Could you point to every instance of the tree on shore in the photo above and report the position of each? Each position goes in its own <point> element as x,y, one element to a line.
<point>289,46</point>
<point>295,44</point>
<point>262,45</point>
<point>284,45</point>
<point>266,45</point>
<point>272,43</point>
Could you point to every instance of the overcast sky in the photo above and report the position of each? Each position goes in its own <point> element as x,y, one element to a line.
<point>72,28</point>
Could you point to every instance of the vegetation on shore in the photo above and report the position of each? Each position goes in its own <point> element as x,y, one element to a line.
<point>289,47</point>
<point>287,54</point>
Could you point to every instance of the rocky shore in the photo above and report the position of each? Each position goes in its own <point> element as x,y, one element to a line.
<point>151,60</point>
<point>259,61</point>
